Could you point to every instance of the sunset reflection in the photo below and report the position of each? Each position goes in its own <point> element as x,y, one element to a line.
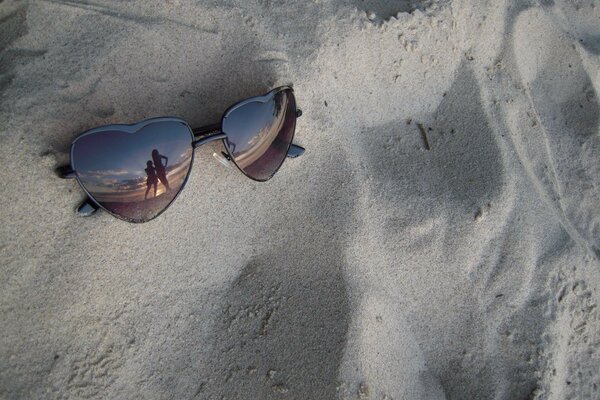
<point>153,164</point>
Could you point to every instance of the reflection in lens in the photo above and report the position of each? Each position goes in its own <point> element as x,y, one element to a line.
<point>259,134</point>
<point>135,175</point>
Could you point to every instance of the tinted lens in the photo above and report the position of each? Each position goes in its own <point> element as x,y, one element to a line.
<point>135,174</point>
<point>259,134</point>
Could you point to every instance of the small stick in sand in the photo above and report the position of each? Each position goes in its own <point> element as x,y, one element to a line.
<point>424,136</point>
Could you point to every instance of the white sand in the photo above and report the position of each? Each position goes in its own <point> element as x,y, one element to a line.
<point>369,268</point>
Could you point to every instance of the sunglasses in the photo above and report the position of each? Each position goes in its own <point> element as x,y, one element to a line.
<point>136,171</point>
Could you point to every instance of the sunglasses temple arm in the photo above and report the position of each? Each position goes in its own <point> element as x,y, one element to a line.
<point>87,208</point>
<point>65,172</point>
<point>295,151</point>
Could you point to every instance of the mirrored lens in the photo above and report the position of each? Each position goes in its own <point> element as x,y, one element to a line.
<point>135,175</point>
<point>259,134</point>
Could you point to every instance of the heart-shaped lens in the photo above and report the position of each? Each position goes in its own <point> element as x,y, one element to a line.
<point>260,131</point>
<point>134,171</point>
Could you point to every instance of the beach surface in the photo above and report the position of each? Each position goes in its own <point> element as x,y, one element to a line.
<point>439,239</point>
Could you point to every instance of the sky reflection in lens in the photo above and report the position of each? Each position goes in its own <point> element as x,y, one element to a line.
<point>135,175</point>
<point>259,134</point>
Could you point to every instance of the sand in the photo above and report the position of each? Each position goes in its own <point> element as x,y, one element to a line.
<point>439,239</point>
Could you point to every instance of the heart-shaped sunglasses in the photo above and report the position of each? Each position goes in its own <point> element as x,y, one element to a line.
<point>136,171</point>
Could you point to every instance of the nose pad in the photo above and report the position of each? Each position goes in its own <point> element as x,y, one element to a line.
<point>223,158</point>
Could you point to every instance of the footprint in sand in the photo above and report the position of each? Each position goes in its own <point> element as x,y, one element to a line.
<point>565,99</point>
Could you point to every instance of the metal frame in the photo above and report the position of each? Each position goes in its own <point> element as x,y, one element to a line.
<point>198,136</point>
<point>91,205</point>
<point>258,99</point>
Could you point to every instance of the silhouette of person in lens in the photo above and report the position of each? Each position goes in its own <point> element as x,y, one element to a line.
<point>160,169</point>
<point>152,180</point>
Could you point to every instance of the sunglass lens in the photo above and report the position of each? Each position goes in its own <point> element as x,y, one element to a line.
<point>135,175</point>
<point>259,133</point>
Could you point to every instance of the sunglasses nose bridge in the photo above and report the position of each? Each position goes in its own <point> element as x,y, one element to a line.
<point>210,138</point>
